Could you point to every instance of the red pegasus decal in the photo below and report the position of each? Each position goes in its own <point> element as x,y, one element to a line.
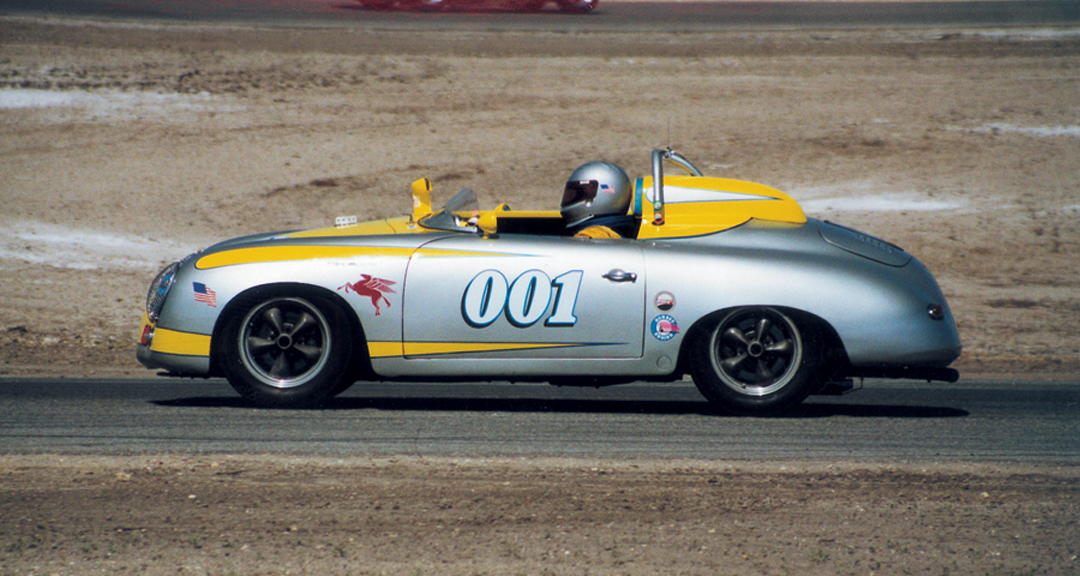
<point>374,288</point>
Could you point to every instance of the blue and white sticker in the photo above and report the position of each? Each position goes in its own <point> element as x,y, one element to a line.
<point>664,327</point>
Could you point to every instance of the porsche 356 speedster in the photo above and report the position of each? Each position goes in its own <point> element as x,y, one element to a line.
<point>723,280</point>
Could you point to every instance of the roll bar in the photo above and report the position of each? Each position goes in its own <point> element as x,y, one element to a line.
<point>658,157</point>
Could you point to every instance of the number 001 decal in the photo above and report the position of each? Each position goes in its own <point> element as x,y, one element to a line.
<point>524,301</point>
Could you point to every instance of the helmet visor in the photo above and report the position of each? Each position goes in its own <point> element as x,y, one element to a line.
<point>579,191</point>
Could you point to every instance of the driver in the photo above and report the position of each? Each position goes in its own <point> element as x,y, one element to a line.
<point>595,202</point>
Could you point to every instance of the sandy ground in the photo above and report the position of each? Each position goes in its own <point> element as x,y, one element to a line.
<point>124,147</point>
<point>263,515</point>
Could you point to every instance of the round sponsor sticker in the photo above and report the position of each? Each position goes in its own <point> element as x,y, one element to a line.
<point>664,301</point>
<point>664,327</point>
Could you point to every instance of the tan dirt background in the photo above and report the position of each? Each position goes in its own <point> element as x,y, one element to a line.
<point>960,146</point>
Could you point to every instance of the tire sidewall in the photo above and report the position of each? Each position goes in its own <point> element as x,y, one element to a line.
<point>797,387</point>
<point>319,386</point>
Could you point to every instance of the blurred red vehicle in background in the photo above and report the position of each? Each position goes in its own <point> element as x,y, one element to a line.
<point>569,6</point>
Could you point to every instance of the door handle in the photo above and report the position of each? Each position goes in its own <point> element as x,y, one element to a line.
<point>617,275</point>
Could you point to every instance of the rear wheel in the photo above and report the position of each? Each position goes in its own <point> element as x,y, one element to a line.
<point>754,361</point>
<point>287,351</point>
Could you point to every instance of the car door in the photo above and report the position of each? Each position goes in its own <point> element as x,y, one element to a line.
<point>511,298</point>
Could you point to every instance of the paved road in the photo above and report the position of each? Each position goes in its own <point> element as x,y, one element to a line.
<point>612,14</point>
<point>1036,423</point>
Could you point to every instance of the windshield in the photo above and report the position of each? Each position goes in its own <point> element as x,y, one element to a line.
<point>457,215</point>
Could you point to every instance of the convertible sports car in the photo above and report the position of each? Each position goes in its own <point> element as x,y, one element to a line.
<point>725,280</point>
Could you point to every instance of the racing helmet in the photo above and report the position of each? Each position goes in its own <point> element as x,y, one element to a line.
<point>595,189</point>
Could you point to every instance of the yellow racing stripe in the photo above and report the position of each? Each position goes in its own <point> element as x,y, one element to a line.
<point>180,343</point>
<point>384,349</point>
<point>391,349</point>
<point>292,253</point>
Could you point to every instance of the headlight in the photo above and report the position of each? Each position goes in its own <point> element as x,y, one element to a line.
<point>159,289</point>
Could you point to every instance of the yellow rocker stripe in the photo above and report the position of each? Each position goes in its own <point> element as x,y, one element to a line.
<point>385,349</point>
<point>188,344</point>
<point>389,349</point>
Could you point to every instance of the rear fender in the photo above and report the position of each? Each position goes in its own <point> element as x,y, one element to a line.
<point>815,330</point>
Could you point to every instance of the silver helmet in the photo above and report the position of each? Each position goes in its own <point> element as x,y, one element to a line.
<point>595,189</point>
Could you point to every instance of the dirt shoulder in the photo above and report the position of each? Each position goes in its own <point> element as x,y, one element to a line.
<point>272,515</point>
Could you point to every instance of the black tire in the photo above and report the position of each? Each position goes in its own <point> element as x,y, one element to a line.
<point>755,361</point>
<point>286,350</point>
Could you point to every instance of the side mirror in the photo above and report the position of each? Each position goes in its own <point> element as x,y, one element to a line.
<point>488,224</point>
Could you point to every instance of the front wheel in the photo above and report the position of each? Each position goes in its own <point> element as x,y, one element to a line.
<point>754,361</point>
<point>286,351</point>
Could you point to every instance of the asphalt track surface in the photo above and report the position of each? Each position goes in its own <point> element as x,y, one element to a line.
<point>612,15</point>
<point>887,421</point>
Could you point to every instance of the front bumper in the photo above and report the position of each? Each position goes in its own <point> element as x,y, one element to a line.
<point>180,353</point>
<point>173,364</point>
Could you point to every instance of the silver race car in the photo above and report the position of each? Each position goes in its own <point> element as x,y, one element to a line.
<point>645,279</point>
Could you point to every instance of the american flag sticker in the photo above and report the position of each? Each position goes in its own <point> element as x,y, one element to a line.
<point>204,294</point>
<point>607,189</point>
